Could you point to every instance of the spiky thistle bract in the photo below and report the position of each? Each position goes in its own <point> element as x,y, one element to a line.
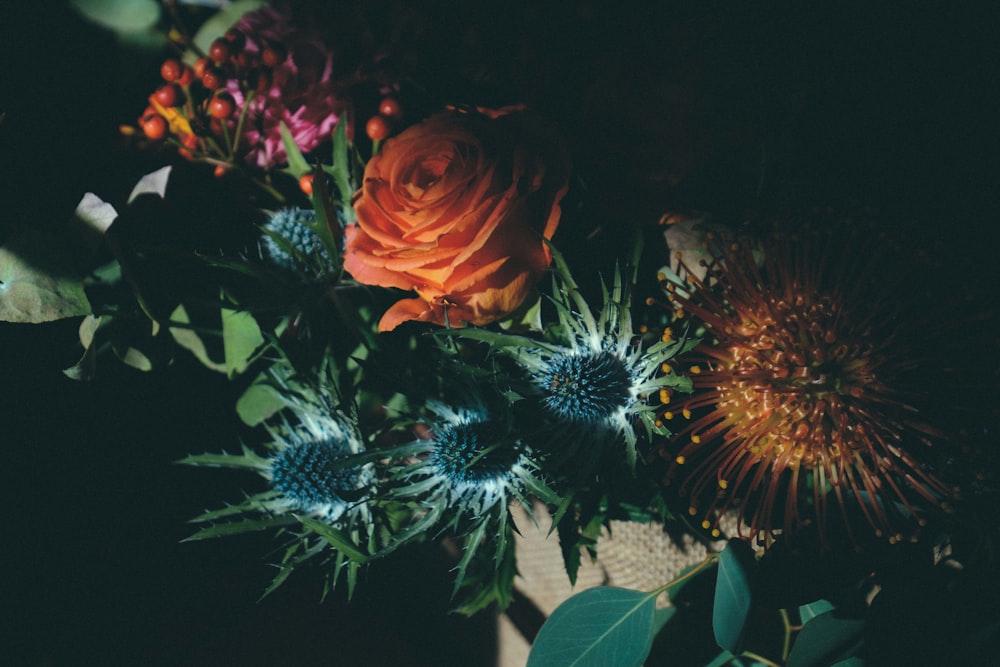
<point>292,242</point>
<point>473,463</point>
<point>592,374</point>
<point>320,483</point>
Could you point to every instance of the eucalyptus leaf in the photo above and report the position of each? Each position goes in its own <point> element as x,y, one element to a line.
<point>826,640</point>
<point>596,628</point>
<point>733,598</point>
<point>35,283</point>
<point>807,612</point>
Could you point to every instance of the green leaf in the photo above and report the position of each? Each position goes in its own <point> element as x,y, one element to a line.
<point>239,527</point>
<point>297,164</point>
<point>247,460</point>
<point>661,617</point>
<point>191,341</point>
<point>335,538</point>
<point>598,627</point>
<point>86,368</point>
<point>853,661</point>
<point>259,402</point>
<point>35,283</point>
<point>121,16</point>
<point>807,612</point>
<point>731,608</point>
<point>826,640</point>
<point>241,338</point>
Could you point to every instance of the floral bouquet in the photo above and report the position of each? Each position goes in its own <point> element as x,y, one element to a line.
<point>436,332</point>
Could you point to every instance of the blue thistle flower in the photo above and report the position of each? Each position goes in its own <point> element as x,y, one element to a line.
<point>473,463</point>
<point>290,241</point>
<point>307,468</point>
<point>593,375</point>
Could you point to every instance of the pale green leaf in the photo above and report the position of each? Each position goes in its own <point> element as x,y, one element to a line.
<point>87,366</point>
<point>241,338</point>
<point>122,16</point>
<point>219,23</point>
<point>154,183</point>
<point>36,284</point>
<point>190,340</point>
<point>258,403</point>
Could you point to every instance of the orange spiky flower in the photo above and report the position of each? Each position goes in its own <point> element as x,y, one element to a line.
<point>809,386</point>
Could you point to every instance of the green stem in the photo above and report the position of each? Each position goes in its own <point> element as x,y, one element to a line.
<point>760,658</point>
<point>709,561</point>
<point>787,622</point>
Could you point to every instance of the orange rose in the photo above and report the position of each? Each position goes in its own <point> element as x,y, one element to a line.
<point>456,209</point>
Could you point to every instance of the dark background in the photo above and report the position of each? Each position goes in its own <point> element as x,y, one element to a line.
<point>670,108</point>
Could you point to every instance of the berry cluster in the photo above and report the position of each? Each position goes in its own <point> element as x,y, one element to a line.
<point>379,126</point>
<point>194,107</point>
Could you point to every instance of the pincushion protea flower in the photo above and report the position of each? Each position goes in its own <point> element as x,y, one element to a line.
<point>808,386</point>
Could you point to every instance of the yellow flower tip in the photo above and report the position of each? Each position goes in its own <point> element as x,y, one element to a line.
<point>696,369</point>
<point>723,484</point>
<point>664,396</point>
<point>716,532</point>
<point>686,413</point>
<point>643,329</point>
<point>668,415</point>
<point>921,522</point>
<point>666,368</point>
<point>706,524</point>
<point>658,423</point>
<point>680,460</point>
<point>696,439</point>
<point>661,276</point>
<point>692,510</point>
<point>127,130</point>
<point>650,301</point>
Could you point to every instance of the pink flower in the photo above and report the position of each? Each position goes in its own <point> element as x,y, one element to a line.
<point>301,92</point>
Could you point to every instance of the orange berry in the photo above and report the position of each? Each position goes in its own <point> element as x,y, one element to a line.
<point>220,170</point>
<point>187,76</point>
<point>391,108</point>
<point>171,70</point>
<point>377,128</point>
<point>154,126</point>
<point>201,66</point>
<point>273,55</point>
<point>167,95</point>
<point>219,51</point>
<point>306,184</point>
<point>212,78</point>
<point>222,106</point>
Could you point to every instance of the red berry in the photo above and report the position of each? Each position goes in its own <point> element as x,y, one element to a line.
<point>167,95</point>
<point>212,78</point>
<point>273,55</point>
<point>189,143</point>
<point>201,66</point>
<point>260,80</point>
<point>377,128</point>
<point>219,51</point>
<point>171,70</point>
<point>187,76</point>
<point>220,170</point>
<point>391,108</point>
<point>221,106</point>
<point>306,184</point>
<point>235,38</point>
<point>154,126</point>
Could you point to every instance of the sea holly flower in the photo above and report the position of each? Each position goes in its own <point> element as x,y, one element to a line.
<point>291,242</point>
<point>593,375</point>
<point>320,487</point>
<point>809,389</point>
<point>472,464</point>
